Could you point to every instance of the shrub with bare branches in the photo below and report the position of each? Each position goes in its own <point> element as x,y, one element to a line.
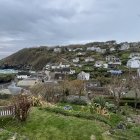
<point>134,85</point>
<point>117,88</point>
<point>22,106</point>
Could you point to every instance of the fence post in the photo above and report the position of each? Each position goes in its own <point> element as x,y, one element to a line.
<point>7,111</point>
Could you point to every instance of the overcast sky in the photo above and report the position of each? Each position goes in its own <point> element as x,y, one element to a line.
<point>27,23</point>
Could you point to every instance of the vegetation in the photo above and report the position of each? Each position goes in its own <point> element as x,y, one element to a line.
<point>63,120</point>
<point>59,111</point>
<point>4,102</point>
<point>22,105</point>
<point>5,78</point>
<point>50,126</point>
<point>78,114</point>
<point>55,122</point>
<point>35,58</point>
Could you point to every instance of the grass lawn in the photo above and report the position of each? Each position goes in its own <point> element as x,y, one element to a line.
<point>43,125</point>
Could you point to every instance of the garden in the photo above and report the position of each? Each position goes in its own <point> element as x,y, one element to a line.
<point>98,120</point>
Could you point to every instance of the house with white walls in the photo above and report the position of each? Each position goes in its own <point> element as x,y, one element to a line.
<point>133,63</point>
<point>23,75</point>
<point>91,48</point>
<point>124,46</point>
<point>83,76</point>
<point>89,59</point>
<point>112,58</point>
<point>134,55</point>
<point>112,49</point>
<point>75,60</point>
<point>57,50</point>
<point>80,54</point>
<point>101,64</point>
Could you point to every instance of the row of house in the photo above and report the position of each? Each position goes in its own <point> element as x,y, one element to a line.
<point>110,62</point>
<point>56,66</point>
<point>96,48</point>
<point>87,59</point>
<point>112,58</point>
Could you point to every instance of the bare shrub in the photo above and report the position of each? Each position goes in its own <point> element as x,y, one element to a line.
<point>22,106</point>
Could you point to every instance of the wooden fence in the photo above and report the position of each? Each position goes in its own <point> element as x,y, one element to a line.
<point>7,111</point>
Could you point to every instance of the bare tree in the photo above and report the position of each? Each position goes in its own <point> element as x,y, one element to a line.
<point>78,86</point>
<point>49,92</point>
<point>65,89</point>
<point>134,85</point>
<point>117,89</point>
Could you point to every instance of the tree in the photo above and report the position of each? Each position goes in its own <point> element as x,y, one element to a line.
<point>65,88</point>
<point>49,92</point>
<point>78,86</point>
<point>134,85</point>
<point>117,88</point>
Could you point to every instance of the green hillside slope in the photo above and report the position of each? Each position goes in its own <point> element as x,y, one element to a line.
<point>34,57</point>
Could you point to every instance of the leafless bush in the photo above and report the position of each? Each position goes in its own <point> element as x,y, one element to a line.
<point>22,106</point>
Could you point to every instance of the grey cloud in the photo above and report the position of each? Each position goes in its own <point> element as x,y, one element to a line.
<point>26,23</point>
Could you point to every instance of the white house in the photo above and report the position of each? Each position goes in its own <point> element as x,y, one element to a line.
<point>99,50</point>
<point>105,66</point>
<point>89,59</point>
<point>103,50</point>
<point>54,67</point>
<point>99,64</point>
<point>78,49</point>
<point>78,65</point>
<point>91,48</point>
<point>75,60</point>
<point>57,50</point>
<point>72,71</point>
<point>23,75</point>
<point>83,76</point>
<point>124,46</point>
<point>115,63</point>
<point>135,54</point>
<point>133,63</point>
<point>48,66</point>
<point>61,65</point>
<point>58,66</point>
<point>80,54</point>
<point>112,58</point>
<point>65,71</point>
<point>111,42</point>
<point>70,49</point>
<point>112,49</point>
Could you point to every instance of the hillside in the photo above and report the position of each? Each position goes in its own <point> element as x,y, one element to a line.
<point>37,58</point>
<point>31,57</point>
